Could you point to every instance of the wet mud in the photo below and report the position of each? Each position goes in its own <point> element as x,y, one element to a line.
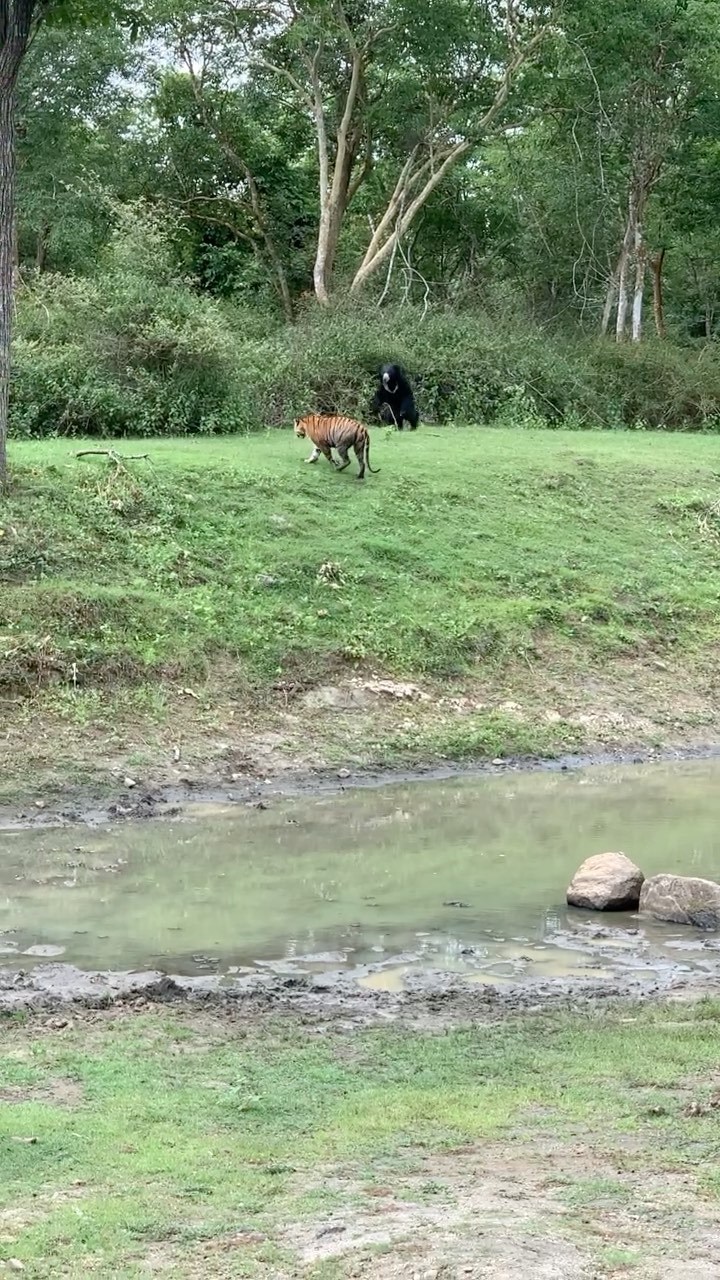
<point>428,999</point>
<point>143,802</point>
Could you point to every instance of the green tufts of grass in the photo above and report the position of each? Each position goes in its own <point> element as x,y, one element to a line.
<point>129,1134</point>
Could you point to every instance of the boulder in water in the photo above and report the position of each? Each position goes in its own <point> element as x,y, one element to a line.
<point>682,900</point>
<point>606,882</point>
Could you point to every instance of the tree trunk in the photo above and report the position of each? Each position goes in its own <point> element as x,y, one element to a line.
<point>15,22</point>
<point>7,221</point>
<point>336,186</point>
<point>622,305</point>
<point>610,297</point>
<point>41,247</point>
<point>639,251</point>
<point>378,252</point>
<point>656,264</point>
<point>328,239</point>
<point>332,214</point>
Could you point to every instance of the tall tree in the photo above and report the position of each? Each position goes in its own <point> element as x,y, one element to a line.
<point>413,85</point>
<point>19,20</point>
<point>75,108</point>
<point>592,182</point>
<point>16,24</point>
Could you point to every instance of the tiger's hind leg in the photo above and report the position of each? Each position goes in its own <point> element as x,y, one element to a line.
<point>344,457</point>
<point>359,450</point>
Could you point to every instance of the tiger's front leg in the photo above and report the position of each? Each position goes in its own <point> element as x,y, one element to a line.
<point>314,455</point>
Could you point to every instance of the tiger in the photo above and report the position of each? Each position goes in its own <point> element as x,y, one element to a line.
<point>329,431</point>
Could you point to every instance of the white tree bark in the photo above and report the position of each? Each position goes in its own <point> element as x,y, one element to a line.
<point>637,310</point>
<point>334,192</point>
<point>610,297</point>
<point>622,291</point>
<point>423,179</point>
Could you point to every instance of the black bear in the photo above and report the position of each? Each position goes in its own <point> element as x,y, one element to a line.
<point>394,400</point>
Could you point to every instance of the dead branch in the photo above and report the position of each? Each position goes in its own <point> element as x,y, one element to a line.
<point>118,458</point>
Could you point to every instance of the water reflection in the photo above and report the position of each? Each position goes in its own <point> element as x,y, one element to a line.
<point>466,876</point>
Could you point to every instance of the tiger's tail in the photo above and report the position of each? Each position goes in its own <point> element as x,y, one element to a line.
<point>375,470</point>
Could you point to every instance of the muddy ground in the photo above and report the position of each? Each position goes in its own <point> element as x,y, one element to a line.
<point>428,1000</point>
<point>146,799</point>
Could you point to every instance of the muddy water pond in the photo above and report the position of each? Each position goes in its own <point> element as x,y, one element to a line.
<point>465,875</point>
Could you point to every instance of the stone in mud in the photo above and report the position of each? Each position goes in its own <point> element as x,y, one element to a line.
<point>606,882</point>
<point>682,900</point>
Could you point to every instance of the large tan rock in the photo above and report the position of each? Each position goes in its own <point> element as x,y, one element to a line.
<point>606,882</point>
<point>682,900</point>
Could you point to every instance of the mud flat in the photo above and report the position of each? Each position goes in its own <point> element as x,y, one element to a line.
<point>191,795</point>
<point>430,1000</point>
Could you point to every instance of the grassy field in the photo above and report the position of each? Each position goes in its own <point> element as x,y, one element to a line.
<point>194,1145</point>
<point>543,590</point>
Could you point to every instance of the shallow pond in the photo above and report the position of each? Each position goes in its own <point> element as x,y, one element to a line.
<point>467,875</point>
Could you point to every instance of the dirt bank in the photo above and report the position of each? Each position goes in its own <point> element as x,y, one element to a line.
<point>147,799</point>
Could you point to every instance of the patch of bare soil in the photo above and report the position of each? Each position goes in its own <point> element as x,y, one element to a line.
<point>530,1210</point>
<point>205,742</point>
<point>59,1093</point>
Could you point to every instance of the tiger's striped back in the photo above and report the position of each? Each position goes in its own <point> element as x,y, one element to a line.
<point>331,429</point>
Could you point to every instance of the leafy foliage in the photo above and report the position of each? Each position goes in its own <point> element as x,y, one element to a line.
<point>169,215</point>
<point>135,348</point>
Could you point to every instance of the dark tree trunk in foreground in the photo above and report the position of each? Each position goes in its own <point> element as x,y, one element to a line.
<point>7,201</point>
<point>15,23</point>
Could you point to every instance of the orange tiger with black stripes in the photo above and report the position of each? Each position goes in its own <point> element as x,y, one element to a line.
<point>329,431</point>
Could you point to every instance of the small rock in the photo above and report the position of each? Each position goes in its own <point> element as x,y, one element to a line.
<point>129,783</point>
<point>343,773</point>
<point>15,1264</point>
<point>606,882</point>
<point>266,580</point>
<point>682,900</point>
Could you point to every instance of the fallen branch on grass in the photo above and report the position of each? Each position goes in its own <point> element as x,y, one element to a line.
<point>117,458</point>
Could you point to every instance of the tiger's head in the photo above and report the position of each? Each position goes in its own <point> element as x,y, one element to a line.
<point>299,428</point>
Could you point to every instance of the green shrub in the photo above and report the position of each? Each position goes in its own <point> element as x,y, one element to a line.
<point>658,384</point>
<point>133,349</point>
<point>137,350</point>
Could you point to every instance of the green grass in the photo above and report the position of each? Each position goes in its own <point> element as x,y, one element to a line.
<point>170,1132</point>
<point>474,553</point>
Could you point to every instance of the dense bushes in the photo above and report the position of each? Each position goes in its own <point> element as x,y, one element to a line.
<point>137,350</point>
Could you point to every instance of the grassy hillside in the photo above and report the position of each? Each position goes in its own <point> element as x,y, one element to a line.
<point>490,561</point>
